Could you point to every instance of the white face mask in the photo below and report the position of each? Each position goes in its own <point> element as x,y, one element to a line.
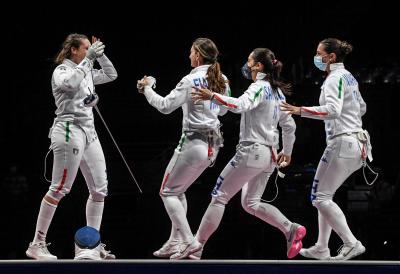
<point>319,64</point>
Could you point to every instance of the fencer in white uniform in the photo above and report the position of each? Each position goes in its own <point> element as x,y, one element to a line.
<point>200,141</point>
<point>256,156</point>
<point>74,140</point>
<point>348,146</point>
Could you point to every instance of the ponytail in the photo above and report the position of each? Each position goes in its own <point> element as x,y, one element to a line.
<point>272,68</point>
<point>216,81</point>
<point>275,79</point>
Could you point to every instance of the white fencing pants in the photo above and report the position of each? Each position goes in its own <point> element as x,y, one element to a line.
<point>190,159</point>
<point>248,170</point>
<point>341,158</point>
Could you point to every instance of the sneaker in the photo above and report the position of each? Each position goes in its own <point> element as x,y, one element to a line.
<point>196,255</point>
<point>346,252</point>
<point>294,243</point>
<point>315,252</point>
<point>39,251</point>
<point>186,249</point>
<point>87,254</point>
<point>106,254</point>
<point>168,249</point>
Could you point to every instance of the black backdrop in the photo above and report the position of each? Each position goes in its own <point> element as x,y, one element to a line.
<point>155,39</point>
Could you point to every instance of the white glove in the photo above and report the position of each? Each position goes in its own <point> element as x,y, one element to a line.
<point>146,81</point>
<point>95,51</point>
<point>151,81</point>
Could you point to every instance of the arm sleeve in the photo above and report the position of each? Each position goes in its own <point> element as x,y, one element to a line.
<point>176,98</point>
<point>363,106</point>
<point>107,73</point>
<point>223,110</point>
<point>333,92</point>
<point>286,122</point>
<point>69,79</point>
<point>250,99</point>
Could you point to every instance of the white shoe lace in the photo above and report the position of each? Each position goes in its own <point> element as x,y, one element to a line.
<point>43,247</point>
<point>339,251</point>
<point>344,249</point>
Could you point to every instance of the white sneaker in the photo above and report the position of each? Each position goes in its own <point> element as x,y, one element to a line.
<point>186,249</point>
<point>39,251</point>
<point>347,252</point>
<point>196,255</point>
<point>168,249</point>
<point>87,254</point>
<point>315,252</point>
<point>106,254</point>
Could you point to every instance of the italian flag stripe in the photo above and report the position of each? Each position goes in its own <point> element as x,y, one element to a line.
<point>257,94</point>
<point>67,132</point>
<point>340,88</point>
<point>219,99</point>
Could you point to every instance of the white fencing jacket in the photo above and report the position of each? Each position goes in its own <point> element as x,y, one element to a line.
<point>261,115</point>
<point>341,104</point>
<point>196,117</point>
<point>71,83</point>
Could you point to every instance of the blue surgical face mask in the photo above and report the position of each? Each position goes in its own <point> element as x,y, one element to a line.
<point>246,72</point>
<point>319,64</point>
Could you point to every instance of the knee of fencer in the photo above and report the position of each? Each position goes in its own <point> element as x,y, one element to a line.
<point>98,196</point>
<point>218,201</point>
<point>322,200</point>
<point>165,193</point>
<point>54,196</point>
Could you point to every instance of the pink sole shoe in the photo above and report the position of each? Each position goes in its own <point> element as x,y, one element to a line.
<point>296,244</point>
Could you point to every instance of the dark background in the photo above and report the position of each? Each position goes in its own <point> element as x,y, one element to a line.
<point>155,39</point>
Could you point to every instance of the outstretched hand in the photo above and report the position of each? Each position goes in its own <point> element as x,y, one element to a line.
<point>201,94</point>
<point>290,108</point>
<point>145,81</point>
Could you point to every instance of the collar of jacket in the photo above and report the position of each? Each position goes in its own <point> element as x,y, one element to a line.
<point>200,68</point>
<point>336,66</point>
<point>69,63</point>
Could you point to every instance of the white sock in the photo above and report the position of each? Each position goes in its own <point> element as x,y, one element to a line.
<point>336,219</point>
<point>177,215</point>
<point>94,213</point>
<point>210,222</point>
<point>271,215</point>
<point>44,219</point>
<point>324,232</point>
<point>175,235</point>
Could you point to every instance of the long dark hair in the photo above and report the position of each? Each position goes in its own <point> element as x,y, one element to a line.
<point>340,48</point>
<point>209,51</point>
<point>273,68</point>
<point>73,40</point>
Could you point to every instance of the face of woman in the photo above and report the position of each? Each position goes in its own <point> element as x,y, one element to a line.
<point>253,65</point>
<point>194,58</point>
<point>78,54</point>
<point>322,53</point>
